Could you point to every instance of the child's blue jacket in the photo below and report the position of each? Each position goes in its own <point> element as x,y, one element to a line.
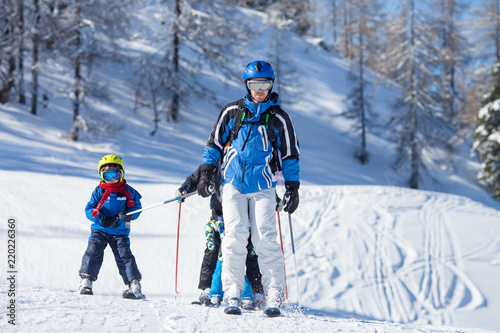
<point>115,204</point>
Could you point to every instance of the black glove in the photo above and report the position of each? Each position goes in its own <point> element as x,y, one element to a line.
<point>291,197</point>
<point>109,221</point>
<point>124,217</point>
<point>205,185</point>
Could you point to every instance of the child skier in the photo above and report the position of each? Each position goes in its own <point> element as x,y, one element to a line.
<point>216,227</point>
<point>107,209</point>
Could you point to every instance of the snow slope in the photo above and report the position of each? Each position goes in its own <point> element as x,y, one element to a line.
<point>371,255</point>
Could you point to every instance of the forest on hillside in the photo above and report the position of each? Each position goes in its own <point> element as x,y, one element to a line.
<point>441,53</point>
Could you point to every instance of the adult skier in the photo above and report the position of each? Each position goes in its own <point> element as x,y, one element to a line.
<point>253,139</point>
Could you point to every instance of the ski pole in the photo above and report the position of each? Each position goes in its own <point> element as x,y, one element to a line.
<point>294,261</point>
<point>283,252</point>
<point>162,203</point>
<point>177,249</point>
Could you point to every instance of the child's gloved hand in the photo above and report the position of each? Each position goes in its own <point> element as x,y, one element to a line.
<point>109,221</point>
<point>124,217</point>
<point>180,192</point>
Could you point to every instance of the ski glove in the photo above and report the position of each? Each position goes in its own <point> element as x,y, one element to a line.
<point>279,204</point>
<point>124,217</point>
<point>109,221</point>
<point>205,185</point>
<point>181,191</point>
<point>291,197</point>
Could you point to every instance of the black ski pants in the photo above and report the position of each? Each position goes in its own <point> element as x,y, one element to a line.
<point>209,263</point>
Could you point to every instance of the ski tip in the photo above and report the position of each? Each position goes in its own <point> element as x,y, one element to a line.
<point>272,312</point>
<point>232,310</point>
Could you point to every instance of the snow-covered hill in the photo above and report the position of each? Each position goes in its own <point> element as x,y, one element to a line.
<point>371,255</point>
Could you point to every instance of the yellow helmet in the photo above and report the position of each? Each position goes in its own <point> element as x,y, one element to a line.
<point>111,159</point>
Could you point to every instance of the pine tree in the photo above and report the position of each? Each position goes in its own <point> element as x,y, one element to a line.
<point>486,139</point>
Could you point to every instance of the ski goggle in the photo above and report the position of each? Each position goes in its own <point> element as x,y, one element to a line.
<point>255,85</point>
<point>111,174</point>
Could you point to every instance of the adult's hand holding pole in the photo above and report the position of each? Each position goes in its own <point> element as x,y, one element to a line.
<point>291,197</point>
<point>162,203</point>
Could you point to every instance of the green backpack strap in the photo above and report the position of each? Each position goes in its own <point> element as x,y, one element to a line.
<point>267,118</point>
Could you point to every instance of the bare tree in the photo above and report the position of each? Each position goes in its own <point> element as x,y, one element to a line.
<point>420,127</point>
<point>452,57</point>
<point>8,48</point>
<point>35,39</point>
<point>198,36</point>
<point>487,30</point>
<point>77,63</point>
<point>176,33</point>
<point>20,55</point>
<point>364,23</point>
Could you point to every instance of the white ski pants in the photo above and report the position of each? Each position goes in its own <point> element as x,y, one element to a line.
<point>257,210</point>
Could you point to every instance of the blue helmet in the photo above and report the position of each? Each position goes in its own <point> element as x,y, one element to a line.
<point>258,69</point>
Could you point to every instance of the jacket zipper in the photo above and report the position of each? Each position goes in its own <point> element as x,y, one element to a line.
<point>244,165</point>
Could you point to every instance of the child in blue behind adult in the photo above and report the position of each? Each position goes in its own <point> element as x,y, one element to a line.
<point>216,227</point>
<point>107,209</point>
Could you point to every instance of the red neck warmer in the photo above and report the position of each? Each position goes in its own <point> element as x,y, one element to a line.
<point>113,188</point>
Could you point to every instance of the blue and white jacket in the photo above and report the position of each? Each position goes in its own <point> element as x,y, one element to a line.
<point>247,161</point>
<point>115,204</point>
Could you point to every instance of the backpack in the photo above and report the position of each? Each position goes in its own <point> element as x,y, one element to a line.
<point>267,118</point>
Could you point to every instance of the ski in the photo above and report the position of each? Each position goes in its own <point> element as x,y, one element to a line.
<point>210,304</point>
<point>272,312</point>
<point>233,310</point>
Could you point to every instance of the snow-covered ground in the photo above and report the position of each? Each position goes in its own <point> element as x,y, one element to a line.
<point>371,255</point>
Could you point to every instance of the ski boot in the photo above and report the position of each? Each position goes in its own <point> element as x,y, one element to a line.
<point>233,307</point>
<point>133,291</point>
<point>259,301</point>
<point>215,300</point>
<point>205,297</point>
<point>247,304</point>
<point>274,304</point>
<point>86,287</point>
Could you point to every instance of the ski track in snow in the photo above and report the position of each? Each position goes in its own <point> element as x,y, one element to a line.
<point>380,269</point>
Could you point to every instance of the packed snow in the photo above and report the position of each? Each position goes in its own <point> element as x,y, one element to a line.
<point>371,255</point>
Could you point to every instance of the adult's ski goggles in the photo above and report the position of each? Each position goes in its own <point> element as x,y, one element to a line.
<point>255,85</point>
<point>111,174</point>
